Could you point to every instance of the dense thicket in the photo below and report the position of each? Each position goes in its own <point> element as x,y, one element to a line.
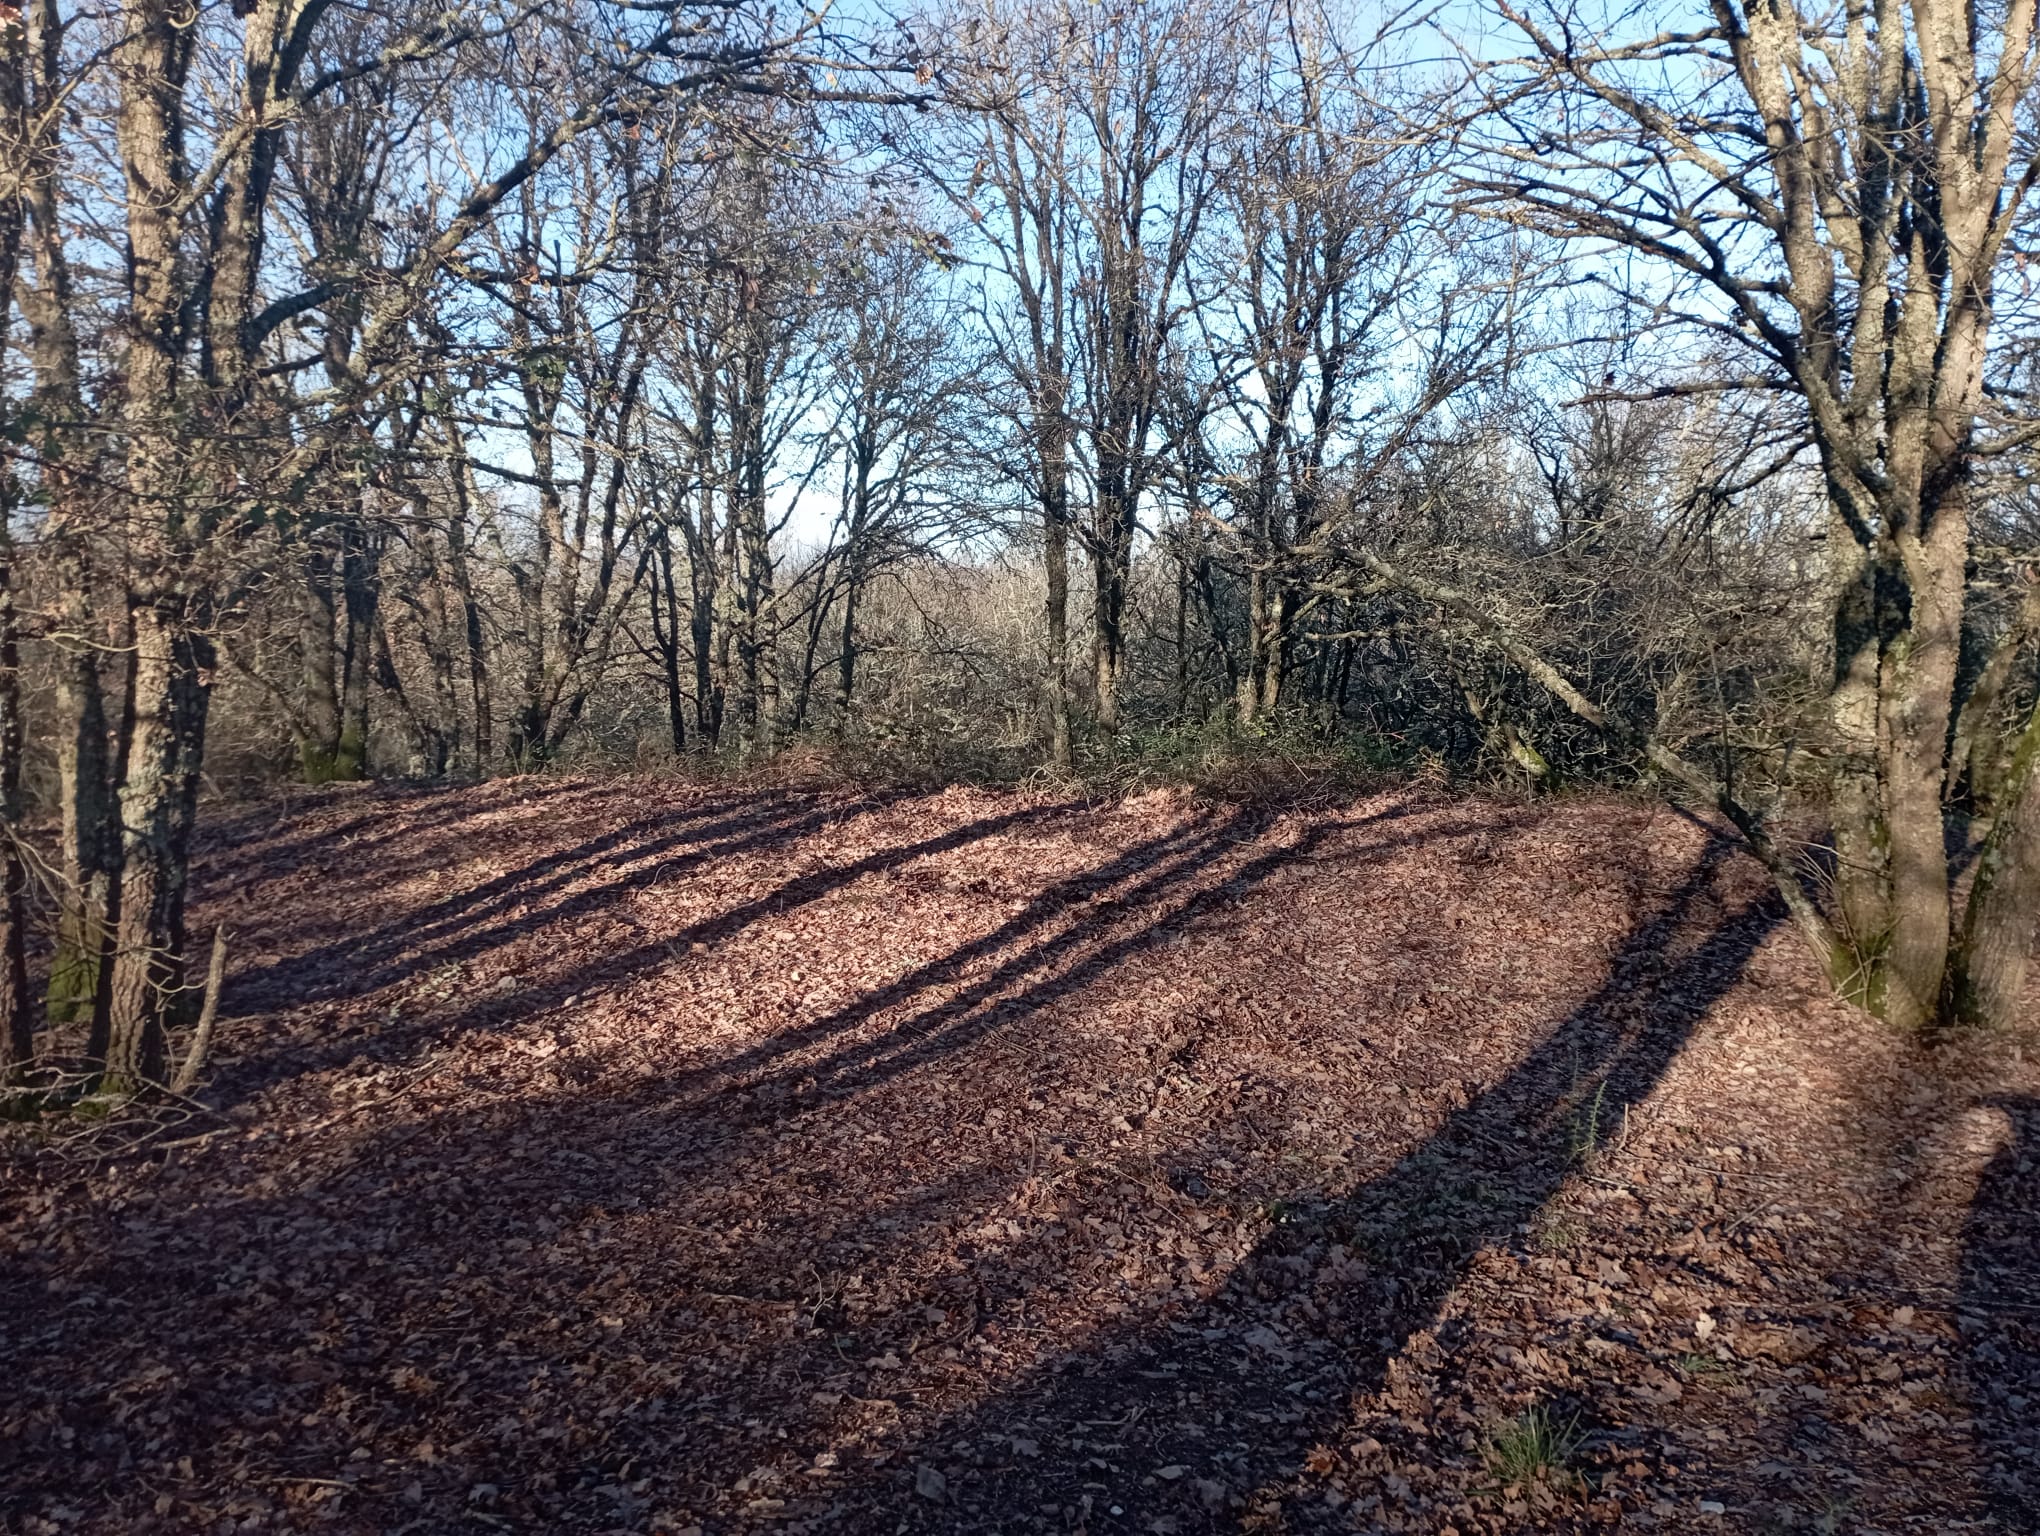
<point>445,390</point>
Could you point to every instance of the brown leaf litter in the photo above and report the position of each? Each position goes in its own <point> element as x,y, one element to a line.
<point>619,1156</point>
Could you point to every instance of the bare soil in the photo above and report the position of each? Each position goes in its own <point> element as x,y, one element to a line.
<point>624,1156</point>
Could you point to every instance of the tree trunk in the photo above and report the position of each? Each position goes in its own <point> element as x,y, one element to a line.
<point>1247,691</point>
<point>173,675</point>
<point>470,606</point>
<point>17,1022</point>
<point>319,649</point>
<point>1052,453</point>
<point>665,607</point>
<point>1110,558</point>
<point>756,600</point>
<point>1915,721</point>
<point>1987,977</point>
<point>846,661</point>
<point>1056,558</point>
<point>1270,609</point>
<point>701,634</point>
<point>86,761</point>
<point>1974,756</point>
<point>360,593</point>
<point>86,772</point>
<point>1182,639</point>
<point>1856,800</point>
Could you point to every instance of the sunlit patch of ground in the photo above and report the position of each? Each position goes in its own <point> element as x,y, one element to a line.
<point>598,1156</point>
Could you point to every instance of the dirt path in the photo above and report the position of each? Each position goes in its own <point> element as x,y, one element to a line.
<point>626,1157</point>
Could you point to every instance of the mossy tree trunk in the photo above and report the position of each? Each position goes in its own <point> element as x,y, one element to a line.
<point>1895,171</point>
<point>87,751</point>
<point>1987,978</point>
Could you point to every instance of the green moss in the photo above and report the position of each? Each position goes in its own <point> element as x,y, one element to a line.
<point>74,979</point>
<point>1859,974</point>
<point>344,763</point>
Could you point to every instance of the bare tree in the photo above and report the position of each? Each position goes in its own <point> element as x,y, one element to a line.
<point>1310,299</point>
<point>895,391</point>
<point>1010,69</point>
<point>1829,194</point>
<point>196,446</point>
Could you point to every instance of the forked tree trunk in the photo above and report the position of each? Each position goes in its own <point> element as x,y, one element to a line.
<point>337,639</point>
<point>1271,610</point>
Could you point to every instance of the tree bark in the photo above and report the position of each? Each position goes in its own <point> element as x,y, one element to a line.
<point>470,605</point>
<point>1974,755</point>
<point>665,609</point>
<point>1987,979</point>
<point>173,676</point>
<point>87,762</point>
<point>756,599</point>
<point>17,1022</point>
<point>1055,537</point>
<point>1111,564</point>
<point>318,651</point>
<point>846,660</point>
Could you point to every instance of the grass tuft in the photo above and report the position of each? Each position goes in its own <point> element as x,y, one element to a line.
<point>1533,1447</point>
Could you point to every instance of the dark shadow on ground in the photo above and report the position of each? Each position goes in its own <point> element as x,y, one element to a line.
<point>1191,1424</point>
<point>472,920</point>
<point>1999,1312</point>
<point>1157,880</point>
<point>296,1280</point>
<point>494,1271</point>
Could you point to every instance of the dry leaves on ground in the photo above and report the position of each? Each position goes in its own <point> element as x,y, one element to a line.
<point>617,1156</point>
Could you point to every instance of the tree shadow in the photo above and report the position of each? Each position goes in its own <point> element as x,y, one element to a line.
<point>622,965</point>
<point>558,1309</point>
<point>1998,1307</point>
<point>1053,959</point>
<point>296,1297</point>
<point>1189,1423</point>
<point>480,917</point>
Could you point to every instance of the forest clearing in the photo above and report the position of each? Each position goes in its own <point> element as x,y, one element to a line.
<point>592,1155</point>
<point>1128,767</point>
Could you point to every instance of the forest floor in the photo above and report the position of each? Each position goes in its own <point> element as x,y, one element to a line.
<point>624,1156</point>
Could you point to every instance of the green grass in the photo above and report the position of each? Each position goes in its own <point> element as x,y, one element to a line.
<point>1704,1367</point>
<point>1535,1446</point>
<point>1585,1139</point>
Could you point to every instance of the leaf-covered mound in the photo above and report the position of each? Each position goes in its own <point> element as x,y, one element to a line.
<point>617,1156</point>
